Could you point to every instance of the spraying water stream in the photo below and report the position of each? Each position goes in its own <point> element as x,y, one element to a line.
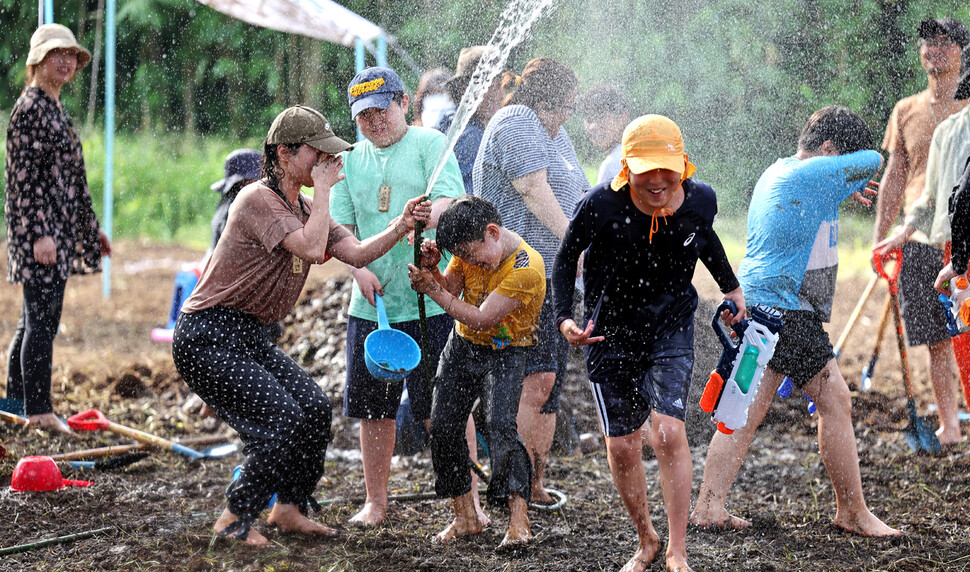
<point>515,22</point>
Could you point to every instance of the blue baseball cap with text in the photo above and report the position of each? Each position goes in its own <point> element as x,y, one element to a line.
<point>373,87</point>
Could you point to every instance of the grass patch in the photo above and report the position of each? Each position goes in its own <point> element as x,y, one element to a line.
<point>161,183</point>
<point>855,240</point>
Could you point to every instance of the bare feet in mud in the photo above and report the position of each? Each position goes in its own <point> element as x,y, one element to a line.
<point>370,516</point>
<point>482,517</point>
<point>722,520</point>
<point>50,422</point>
<point>253,539</point>
<point>678,563</point>
<point>948,438</point>
<point>541,496</point>
<point>520,531</point>
<point>287,517</point>
<point>643,557</point>
<point>460,527</point>
<point>515,538</point>
<point>866,525</point>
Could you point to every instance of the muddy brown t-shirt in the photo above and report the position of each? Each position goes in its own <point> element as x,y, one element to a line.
<point>909,133</point>
<point>249,269</point>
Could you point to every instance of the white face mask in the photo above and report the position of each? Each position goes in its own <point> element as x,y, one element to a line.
<point>434,106</point>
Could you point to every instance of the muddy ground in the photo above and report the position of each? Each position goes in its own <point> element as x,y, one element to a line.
<point>157,514</point>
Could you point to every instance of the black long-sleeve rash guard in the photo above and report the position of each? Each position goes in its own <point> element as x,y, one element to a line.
<point>960,221</point>
<point>638,289</point>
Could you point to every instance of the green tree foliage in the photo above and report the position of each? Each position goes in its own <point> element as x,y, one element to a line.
<point>740,77</point>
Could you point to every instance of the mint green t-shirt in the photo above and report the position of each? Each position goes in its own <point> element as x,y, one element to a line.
<point>405,167</point>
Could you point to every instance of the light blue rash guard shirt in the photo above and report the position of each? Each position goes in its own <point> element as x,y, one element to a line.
<point>793,229</point>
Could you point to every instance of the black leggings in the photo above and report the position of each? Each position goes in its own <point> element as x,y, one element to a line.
<point>31,352</point>
<point>281,414</point>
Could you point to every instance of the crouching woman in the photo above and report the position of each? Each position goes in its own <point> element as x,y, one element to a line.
<point>254,277</point>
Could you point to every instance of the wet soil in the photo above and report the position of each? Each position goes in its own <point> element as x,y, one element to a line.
<point>157,514</point>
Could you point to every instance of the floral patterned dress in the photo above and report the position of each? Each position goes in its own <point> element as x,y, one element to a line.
<point>47,193</point>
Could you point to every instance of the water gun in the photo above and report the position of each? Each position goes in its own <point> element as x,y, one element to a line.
<point>734,382</point>
<point>957,306</point>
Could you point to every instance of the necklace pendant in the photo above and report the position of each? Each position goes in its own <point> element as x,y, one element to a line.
<point>297,265</point>
<point>384,201</point>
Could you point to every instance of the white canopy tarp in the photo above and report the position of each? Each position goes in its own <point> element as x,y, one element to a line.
<point>321,19</point>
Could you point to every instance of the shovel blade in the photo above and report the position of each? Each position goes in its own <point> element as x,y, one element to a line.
<point>919,435</point>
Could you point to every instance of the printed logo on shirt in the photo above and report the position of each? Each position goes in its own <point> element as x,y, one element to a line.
<point>689,239</point>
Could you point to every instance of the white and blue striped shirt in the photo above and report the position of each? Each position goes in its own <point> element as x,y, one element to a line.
<point>514,145</point>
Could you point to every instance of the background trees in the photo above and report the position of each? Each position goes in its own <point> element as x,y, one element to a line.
<point>740,77</point>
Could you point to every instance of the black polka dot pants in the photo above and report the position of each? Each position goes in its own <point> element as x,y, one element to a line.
<point>281,414</point>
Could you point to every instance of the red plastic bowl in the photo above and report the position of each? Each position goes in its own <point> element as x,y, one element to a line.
<point>40,474</point>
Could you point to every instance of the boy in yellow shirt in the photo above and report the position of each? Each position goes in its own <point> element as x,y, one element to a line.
<point>493,287</point>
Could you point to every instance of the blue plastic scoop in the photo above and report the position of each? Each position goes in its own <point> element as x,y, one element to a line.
<point>390,354</point>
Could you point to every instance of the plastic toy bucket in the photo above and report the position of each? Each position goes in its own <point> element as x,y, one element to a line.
<point>40,474</point>
<point>390,354</point>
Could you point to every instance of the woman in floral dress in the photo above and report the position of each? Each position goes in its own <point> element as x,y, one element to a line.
<point>52,231</point>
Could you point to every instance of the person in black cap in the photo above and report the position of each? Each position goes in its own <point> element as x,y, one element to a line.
<point>243,166</point>
<point>907,140</point>
<point>253,278</point>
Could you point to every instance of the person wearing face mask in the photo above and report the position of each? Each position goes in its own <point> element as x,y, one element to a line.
<point>643,233</point>
<point>52,231</point>
<point>466,147</point>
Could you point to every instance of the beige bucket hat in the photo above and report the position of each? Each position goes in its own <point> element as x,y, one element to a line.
<point>51,37</point>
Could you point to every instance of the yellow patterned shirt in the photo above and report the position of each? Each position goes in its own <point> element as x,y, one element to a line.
<point>521,276</point>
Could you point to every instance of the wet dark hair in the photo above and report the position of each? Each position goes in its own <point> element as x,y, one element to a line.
<point>603,99</point>
<point>840,125</point>
<point>544,80</point>
<point>464,221</point>
<point>272,171</point>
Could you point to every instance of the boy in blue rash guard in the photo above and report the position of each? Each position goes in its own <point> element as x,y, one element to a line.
<point>645,232</point>
<point>790,264</point>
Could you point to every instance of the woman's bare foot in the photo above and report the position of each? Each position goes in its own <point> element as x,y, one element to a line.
<point>253,539</point>
<point>520,532</point>
<point>51,422</point>
<point>678,563</point>
<point>370,516</point>
<point>949,437</point>
<point>466,521</point>
<point>721,520</point>
<point>459,527</point>
<point>643,557</point>
<point>541,496</point>
<point>289,518</point>
<point>482,517</point>
<point>866,525</point>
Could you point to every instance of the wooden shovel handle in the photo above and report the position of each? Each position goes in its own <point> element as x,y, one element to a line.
<point>119,449</point>
<point>855,314</point>
<point>901,341</point>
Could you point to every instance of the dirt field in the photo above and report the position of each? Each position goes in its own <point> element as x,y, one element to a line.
<point>157,514</point>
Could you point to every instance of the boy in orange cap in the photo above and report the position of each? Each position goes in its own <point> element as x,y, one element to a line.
<point>644,231</point>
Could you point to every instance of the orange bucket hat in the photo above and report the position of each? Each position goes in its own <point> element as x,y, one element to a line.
<point>652,142</point>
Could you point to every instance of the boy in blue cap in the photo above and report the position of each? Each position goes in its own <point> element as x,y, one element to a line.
<point>393,165</point>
